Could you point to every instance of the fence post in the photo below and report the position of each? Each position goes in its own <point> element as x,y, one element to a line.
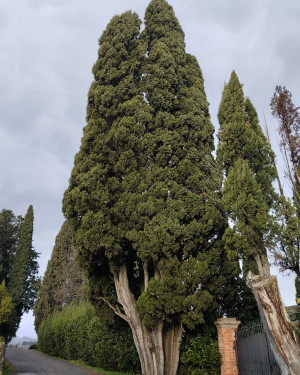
<point>226,338</point>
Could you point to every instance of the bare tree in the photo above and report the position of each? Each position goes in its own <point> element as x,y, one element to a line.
<point>289,128</point>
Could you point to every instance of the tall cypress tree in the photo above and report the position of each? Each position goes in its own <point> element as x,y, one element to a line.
<point>248,163</point>
<point>9,235</point>
<point>23,282</point>
<point>144,198</point>
<point>63,281</point>
<point>241,136</point>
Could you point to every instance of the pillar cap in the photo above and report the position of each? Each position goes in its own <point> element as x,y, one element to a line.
<point>227,323</point>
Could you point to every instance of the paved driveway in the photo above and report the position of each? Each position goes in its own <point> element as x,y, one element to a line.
<point>31,362</point>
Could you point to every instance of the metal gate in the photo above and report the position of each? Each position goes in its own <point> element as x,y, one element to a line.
<point>254,353</point>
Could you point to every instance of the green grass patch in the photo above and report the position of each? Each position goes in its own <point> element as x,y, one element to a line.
<point>7,369</point>
<point>101,371</point>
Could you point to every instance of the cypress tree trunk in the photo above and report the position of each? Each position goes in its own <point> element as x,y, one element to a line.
<point>158,348</point>
<point>263,265</point>
<point>172,339</point>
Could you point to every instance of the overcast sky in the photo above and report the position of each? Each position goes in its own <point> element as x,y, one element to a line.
<point>47,50</point>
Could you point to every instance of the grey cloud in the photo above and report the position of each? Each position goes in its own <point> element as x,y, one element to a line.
<point>48,49</point>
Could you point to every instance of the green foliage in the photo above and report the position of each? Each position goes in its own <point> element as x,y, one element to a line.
<point>242,137</point>
<point>9,235</point>
<point>201,356</point>
<point>6,305</point>
<point>287,234</point>
<point>77,333</point>
<point>63,281</point>
<point>8,369</point>
<point>22,267</point>
<point>246,308</point>
<point>144,190</point>
<point>170,296</point>
<point>243,200</point>
<point>247,161</point>
<point>232,120</point>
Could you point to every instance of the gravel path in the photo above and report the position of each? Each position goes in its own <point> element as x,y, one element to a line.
<point>31,362</point>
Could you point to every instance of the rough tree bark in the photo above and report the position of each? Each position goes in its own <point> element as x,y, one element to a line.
<point>282,333</point>
<point>263,265</point>
<point>158,348</point>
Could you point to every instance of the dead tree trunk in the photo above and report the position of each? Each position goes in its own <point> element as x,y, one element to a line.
<point>281,331</point>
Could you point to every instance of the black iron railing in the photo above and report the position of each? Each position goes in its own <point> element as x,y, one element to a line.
<point>254,353</point>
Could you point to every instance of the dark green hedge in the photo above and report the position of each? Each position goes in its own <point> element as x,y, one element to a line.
<point>200,356</point>
<point>77,333</point>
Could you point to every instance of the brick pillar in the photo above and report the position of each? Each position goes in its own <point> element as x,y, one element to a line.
<point>226,338</point>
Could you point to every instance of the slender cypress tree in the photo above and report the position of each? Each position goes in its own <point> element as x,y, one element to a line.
<point>232,120</point>
<point>23,282</point>
<point>144,195</point>
<point>9,235</point>
<point>242,137</point>
<point>248,163</point>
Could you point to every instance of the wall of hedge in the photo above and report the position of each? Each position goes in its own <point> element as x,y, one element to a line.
<point>77,333</point>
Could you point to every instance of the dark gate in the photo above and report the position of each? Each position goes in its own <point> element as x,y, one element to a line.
<point>254,353</point>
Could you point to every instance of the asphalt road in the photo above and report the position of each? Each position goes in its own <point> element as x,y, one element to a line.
<point>31,362</point>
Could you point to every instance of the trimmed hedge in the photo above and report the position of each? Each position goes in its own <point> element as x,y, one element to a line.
<point>77,333</point>
<point>200,356</point>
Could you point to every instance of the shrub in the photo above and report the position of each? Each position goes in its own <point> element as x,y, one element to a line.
<point>200,356</point>
<point>46,337</point>
<point>77,333</point>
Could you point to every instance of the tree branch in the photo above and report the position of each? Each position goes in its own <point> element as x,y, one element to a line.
<point>115,309</point>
